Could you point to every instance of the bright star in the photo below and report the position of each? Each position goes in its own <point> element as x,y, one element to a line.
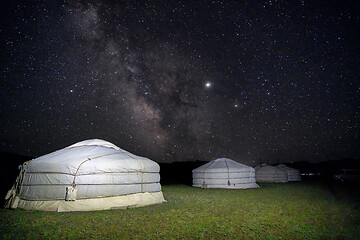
<point>208,84</point>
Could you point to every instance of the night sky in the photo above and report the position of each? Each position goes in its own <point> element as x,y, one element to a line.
<point>183,80</point>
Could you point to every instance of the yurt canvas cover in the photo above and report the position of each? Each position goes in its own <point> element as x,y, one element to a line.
<point>293,174</point>
<point>89,175</point>
<point>224,173</point>
<point>266,173</point>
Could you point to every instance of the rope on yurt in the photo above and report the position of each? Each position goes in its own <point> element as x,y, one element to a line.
<point>74,184</point>
<point>141,172</point>
<point>121,151</point>
<point>228,173</point>
<point>203,185</point>
<point>141,169</point>
<point>23,175</point>
<point>142,175</point>
<point>16,188</point>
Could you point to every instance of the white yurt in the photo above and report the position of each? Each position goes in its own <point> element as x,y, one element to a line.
<point>89,175</point>
<point>266,173</point>
<point>224,173</point>
<point>292,173</point>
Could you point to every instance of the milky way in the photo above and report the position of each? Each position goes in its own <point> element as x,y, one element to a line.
<point>179,81</point>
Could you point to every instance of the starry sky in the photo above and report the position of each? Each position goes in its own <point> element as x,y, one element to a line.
<point>183,80</point>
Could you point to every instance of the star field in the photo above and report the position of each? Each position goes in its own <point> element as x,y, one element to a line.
<point>179,81</point>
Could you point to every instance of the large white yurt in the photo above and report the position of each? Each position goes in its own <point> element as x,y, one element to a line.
<point>270,174</point>
<point>89,175</point>
<point>224,173</point>
<point>293,174</point>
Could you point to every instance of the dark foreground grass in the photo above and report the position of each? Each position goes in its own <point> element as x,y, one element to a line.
<point>274,211</point>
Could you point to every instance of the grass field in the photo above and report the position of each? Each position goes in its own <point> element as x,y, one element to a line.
<point>275,211</point>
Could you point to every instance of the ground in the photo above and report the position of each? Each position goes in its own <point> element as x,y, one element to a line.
<point>304,210</point>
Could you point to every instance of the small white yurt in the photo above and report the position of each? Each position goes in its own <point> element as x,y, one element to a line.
<point>224,173</point>
<point>292,173</point>
<point>89,175</point>
<point>270,174</point>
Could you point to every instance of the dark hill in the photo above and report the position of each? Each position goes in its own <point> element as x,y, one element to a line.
<point>178,172</point>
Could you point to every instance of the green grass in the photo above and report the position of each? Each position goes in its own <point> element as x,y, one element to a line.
<point>274,211</point>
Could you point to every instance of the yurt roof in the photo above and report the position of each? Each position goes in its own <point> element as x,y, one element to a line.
<point>101,156</point>
<point>222,164</point>
<point>268,169</point>
<point>287,168</point>
<point>95,142</point>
